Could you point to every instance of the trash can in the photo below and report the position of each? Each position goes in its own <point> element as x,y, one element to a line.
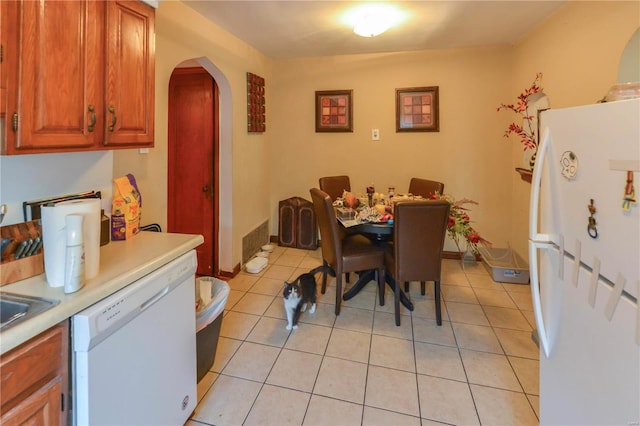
<point>211,297</point>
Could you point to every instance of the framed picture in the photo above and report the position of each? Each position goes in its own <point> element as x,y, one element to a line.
<point>256,114</point>
<point>334,111</point>
<point>417,109</point>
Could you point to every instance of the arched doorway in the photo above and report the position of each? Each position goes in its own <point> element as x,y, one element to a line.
<point>214,185</point>
<point>192,201</point>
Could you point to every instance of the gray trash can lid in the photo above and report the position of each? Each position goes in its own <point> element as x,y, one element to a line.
<point>213,293</point>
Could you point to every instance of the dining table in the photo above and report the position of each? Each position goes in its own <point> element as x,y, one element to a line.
<point>379,233</point>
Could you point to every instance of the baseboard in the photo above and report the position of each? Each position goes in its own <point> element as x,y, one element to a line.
<point>457,255</point>
<point>229,274</point>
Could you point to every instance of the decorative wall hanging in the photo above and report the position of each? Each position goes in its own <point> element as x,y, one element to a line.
<point>417,109</point>
<point>256,112</point>
<point>334,111</point>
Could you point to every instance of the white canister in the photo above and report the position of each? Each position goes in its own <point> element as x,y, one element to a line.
<point>74,276</point>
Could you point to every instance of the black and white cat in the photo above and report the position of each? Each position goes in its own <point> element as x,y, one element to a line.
<point>298,294</point>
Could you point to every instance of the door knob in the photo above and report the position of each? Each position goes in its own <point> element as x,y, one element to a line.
<point>205,188</point>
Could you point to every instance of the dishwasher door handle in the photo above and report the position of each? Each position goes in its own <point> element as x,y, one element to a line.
<point>153,299</point>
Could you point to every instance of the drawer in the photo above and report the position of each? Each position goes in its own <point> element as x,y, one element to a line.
<point>32,364</point>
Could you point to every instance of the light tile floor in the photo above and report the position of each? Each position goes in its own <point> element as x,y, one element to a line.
<point>479,367</point>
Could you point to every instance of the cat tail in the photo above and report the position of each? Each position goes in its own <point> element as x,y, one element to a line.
<point>314,271</point>
<point>317,269</point>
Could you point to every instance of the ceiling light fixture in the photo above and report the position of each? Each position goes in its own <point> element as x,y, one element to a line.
<point>371,26</point>
<point>373,20</point>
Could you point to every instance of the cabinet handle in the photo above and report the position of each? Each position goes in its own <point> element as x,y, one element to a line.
<point>112,110</point>
<point>93,118</point>
<point>14,122</point>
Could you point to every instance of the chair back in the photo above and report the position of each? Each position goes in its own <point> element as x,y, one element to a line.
<point>331,242</point>
<point>425,187</point>
<point>418,239</point>
<point>335,185</point>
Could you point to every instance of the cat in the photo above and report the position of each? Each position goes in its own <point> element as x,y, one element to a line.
<point>298,294</point>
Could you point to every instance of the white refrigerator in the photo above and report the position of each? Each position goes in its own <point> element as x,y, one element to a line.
<point>584,253</point>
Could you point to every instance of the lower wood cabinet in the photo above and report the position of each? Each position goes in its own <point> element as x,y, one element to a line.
<point>35,380</point>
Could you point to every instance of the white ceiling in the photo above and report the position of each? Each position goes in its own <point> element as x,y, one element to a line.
<point>303,28</point>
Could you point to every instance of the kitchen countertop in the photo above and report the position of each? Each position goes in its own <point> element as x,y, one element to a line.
<point>121,263</point>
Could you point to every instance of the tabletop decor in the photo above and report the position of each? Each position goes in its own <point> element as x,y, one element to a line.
<point>528,130</point>
<point>459,226</point>
<point>255,104</point>
<point>334,111</point>
<point>417,109</point>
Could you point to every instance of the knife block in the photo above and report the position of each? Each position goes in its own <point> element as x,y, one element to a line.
<point>12,269</point>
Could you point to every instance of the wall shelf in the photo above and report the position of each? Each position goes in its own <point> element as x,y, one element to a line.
<point>525,174</point>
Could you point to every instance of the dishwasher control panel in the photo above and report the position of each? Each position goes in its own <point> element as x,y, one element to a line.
<point>110,313</point>
<point>95,323</point>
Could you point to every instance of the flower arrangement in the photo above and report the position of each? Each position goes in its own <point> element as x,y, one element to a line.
<point>526,131</point>
<point>459,225</point>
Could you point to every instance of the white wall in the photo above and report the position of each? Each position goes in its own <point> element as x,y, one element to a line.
<point>468,154</point>
<point>36,176</point>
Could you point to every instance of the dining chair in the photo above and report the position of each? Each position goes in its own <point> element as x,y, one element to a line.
<point>416,251</point>
<point>425,187</point>
<point>335,185</point>
<point>353,253</point>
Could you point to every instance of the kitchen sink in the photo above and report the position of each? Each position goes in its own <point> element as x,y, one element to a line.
<point>15,308</point>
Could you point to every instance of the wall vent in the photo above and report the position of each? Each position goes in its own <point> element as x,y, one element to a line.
<point>255,239</point>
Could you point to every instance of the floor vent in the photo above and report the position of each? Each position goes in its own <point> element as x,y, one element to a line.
<point>255,239</point>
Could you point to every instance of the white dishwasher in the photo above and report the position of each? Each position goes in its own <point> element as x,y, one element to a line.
<point>134,352</point>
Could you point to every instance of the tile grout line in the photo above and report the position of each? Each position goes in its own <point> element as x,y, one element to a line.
<point>371,333</point>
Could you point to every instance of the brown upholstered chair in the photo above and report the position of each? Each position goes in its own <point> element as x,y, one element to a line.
<point>425,187</point>
<point>335,185</point>
<point>416,252</point>
<point>354,253</point>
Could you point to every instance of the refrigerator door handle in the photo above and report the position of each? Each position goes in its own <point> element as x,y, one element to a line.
<point>535,295</point>
<point>534,201</point>
<point>538,240</point>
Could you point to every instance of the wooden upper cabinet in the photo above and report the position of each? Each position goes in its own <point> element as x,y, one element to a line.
<point>80,75</point>
<point>55,94</point>
<point>130,74</point>
<point>3,41</point>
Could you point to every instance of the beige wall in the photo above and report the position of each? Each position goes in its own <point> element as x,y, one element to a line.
<point>468,154</point>
<point>577,49</point>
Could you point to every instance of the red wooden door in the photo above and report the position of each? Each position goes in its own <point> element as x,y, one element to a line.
<point>192,146</point>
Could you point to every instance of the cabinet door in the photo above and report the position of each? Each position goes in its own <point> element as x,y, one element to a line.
<point>3,41</point>
<point>55,90</point>
<point>307,227</point>
<point>34,380</point>
<point>287,223</point>
<point>130,60</point>
<point>41,408</point>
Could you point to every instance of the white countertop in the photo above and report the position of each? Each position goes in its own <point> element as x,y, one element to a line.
<point>121,263</point>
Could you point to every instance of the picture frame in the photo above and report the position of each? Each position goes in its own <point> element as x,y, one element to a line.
<point>334,111</point>
<point>417,109</point>
<point>256,111</point>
